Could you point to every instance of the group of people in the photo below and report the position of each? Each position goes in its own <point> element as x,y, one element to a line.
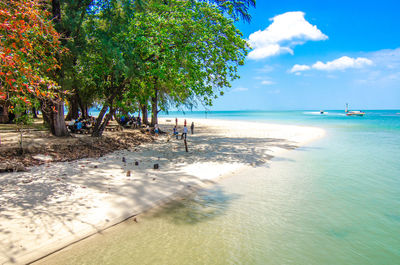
<point>128,121</point>
<point>185,129</point>
<point>156,129</point>
<point>80,125</point>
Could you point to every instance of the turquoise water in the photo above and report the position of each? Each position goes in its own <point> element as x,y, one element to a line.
<point>336,201</point>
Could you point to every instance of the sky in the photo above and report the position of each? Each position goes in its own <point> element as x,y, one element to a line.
<point>319,55</point>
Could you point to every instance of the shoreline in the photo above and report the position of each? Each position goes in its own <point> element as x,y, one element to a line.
<point>74,200</point>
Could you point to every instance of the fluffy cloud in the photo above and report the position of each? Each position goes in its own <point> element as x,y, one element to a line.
<point>286,31</point>
<point>341,63</point>
<point>299,68</point>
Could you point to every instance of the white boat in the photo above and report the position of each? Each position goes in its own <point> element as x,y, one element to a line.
<point>353,112</point>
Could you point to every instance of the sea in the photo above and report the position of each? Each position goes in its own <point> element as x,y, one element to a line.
<point>334,201</point>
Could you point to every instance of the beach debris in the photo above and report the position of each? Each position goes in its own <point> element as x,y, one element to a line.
<point>123,159</point>
<point>26,181</point>
<point>155,166</point>
<point>154,179</point>
<point>95,166</point>
<point>44,158</point>
<point>134,219</point>
<point>128,173</point>
<point>12,167</point>
<point>136,163</point>
<point>19,167</point>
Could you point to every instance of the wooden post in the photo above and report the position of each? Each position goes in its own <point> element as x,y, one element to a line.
<point>186,145</point>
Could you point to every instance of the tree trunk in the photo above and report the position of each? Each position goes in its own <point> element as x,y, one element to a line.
<point>154,107</point>
<point>85,111</point>
<point>99,131</point>
<point>84,108</point>
<point>73,109</point>
<point>96,129</point>
<point>60,129</point>
<point>34,112</point>
<point>53,114</point>
<point>100,124</point>
<point>45,114</point>
<point>145,119</point>
<point>105,122</point>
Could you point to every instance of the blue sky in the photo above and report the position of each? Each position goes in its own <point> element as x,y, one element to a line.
<point>319,55</point>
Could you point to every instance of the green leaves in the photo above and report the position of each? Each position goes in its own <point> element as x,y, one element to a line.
<point>190,47</point>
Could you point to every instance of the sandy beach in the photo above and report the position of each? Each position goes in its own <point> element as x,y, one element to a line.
<point>56,204</point>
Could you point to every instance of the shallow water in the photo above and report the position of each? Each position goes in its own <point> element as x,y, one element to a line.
<point>336,201</point>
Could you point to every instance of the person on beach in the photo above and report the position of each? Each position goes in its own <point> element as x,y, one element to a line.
<point>185,130</point>
<point>176,133</point>
<point>156,130</point>
<point>192,127</point>
<point>176,122</point>
<point>147,129</point>
<point>184,122</point>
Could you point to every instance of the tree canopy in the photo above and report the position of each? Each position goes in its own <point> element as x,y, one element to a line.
<point>122,54</point>
<point>29,46</point>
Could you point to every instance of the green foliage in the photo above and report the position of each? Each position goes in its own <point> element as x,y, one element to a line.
<point>237,9</point>
<point>189,51</point>
<point>22,117</point>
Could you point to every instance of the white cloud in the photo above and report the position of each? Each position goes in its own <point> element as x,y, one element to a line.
<point>389,59</point>
<point>241,89</point>
<point>286,31</point>
<point>299,68</point>
<point>269,50</point>
<point>341,63</point>
<point>267,82</point>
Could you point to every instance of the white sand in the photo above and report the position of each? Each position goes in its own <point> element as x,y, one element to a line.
<point>57,204</point>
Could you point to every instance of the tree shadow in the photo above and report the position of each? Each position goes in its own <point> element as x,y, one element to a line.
<point>205,205</point>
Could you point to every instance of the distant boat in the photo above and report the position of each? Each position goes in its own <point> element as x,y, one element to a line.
<point>321,112</point>
<point>353,112</point>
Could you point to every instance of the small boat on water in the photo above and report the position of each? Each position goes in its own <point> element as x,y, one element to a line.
<point>353,112</point>
<point>321,112</point>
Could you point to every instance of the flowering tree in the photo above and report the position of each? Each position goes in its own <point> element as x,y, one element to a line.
<point>29,48</point>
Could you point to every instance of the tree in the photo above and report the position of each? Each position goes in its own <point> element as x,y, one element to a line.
<point>237,9</point>
<point>190,51</point>
<point>28,42</point>
<point>108,57</point>
<point>29,46</point>
<point>178,52</point>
